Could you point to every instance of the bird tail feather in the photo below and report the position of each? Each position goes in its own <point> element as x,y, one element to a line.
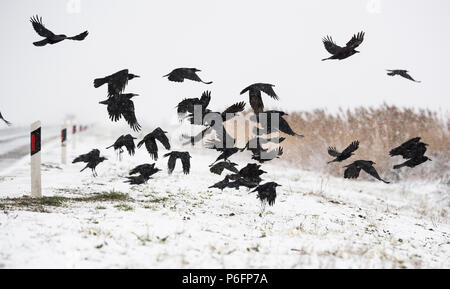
<point>41,43</point>
<point>99,82</point>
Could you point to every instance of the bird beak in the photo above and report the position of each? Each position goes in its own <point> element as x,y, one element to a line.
<point>165,131</point>
<point>103,102</point>
<point>136,76</point>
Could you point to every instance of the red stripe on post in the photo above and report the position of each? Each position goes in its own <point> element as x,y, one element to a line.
<point>33,143</point>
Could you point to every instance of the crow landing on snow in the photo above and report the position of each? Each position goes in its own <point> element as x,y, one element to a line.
<point>219,167</point>
<point>185,158</point>
<point>116,82</point>
<point>345,154</point>
<point>122,105</point>
<point>413,150</point>
<point>267,192</point>
<point>92,159</point>
<point>403,73</point>
<point>150,142</point>
<point>143,173</point>
<point>50,37</point>
<point>265,120</point>
<point>339,52</point>
<point>1,117</point>
<point>353,169</point>
<point>254,92</point>
<point>126,141</point>
<point>180,74</point>
<point>248,176</point>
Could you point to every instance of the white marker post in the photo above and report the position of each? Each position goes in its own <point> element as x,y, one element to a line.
<point>74,137</point>
<point>64,145</point>
<point>35,152</point>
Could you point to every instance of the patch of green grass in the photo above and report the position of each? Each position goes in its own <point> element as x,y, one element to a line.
<point>106,196</point>
<point>100,208</point>
<point>158,200</point>
<point>124,207</point>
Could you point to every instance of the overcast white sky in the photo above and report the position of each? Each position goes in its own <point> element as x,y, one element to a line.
<point>234,43</point>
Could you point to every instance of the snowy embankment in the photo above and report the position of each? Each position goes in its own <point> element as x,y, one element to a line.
<point>176,221</point>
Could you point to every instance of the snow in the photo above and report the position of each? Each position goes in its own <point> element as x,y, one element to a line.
<point>175,221</point>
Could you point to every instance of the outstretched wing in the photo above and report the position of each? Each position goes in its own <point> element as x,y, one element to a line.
<point>162,138</point>
<point>406,75</point>
<point>401,149</point>
<point>218,168</point>
<point>129,115</point>
<point>117,82</point>
<point>39,27</point>
<point>330,45</point>
<point>352,171</point>
<point>268,89</point>
<point>356,40</point>
<point>79,37</point>
<point>233,109</point>
<point>186,162</point>
<point>171,162</point>
<point>205,98</point>
<point>373,172</point>
<point>152,148</point>
<point>129,144</point>
<point>333,152</point>
<point>351,148</point>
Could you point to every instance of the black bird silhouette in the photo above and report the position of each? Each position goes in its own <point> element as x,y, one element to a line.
<point>226,153</point>
<point>345,154</point>
<point>150,142</point>
<point>265,120</point>
<point>126,141</point>
<point>1,117</point>
<point>410,149</point>
<point>413,162</point>
<point>267,192</point>
<point>185,158</point>
<point>255,98</point>
<point>144,171</point>
<point>339,52</point>
<point>187,105</point>
<point>180,74</point>
<point>222,184</point>
<point>219,167</point>
<point>50,37</point>
<point>262,156</point>
<point>116,82</point>
<point>401,72</point>
<point>92,159</point>
<point>122,105</point>
<point>209,118</point>
<point>251,172</point>
<point>255,145</point>
<point>352,170</point>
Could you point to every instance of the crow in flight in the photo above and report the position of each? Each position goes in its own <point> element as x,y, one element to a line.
<point>262,156</point>
<point>265,120</point>
<point>126,141</point>
<point>342,52</point>
<point>150,142</point>
<point>345,154</point>
<point>255,144</point>
<point>219,167</point>
<point>208,117</point>
<point>251,172</point>
<point>226,153</point>
<point>413,150</point>
<point>222,184</point>
<point>116,82</point>
<point>401,72</point>
<point>122,105</point>
<point>352,170</point>
<point>180,74</point>
<point>255,99</point>
<point>267,192</point>
<point>92,159</point>
<point>187,105</point>
<point>185,161</point>
<point>144,172</point>
<point>50,37</point>
<point>1,117</point>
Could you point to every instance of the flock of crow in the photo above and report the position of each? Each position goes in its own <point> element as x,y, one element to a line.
<point>196,110</point>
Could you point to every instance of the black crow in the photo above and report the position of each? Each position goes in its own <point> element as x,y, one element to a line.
<point>267,192</point>
<point>150,142</point>
<point>265,120</point>
<point>50,37</point>
<point>250,172</point>
<point>242,182</point>
<point>122,105</point>
<point>1,117</point>
<point>180,74</point>
<point>185,161</point>
<point>262,156</point>
<point>345,154</point>
<point>226,153</point>
<point>219,167</point>
<point>187,104</point>
<point>208,117</point>
<point>401,72</point>
<point>413,162</point>
<point>126,141</point>
<point>254,92</point>
<point>145,170</point>
<point>92,159</point>
<point>137,180</point>
<point>342,52</point>
<point>352,170</point>
<point>116,82</point>
<point>255,144</point>
<point>222,184</point>
<point>410,149</point>
<point>198,137</point>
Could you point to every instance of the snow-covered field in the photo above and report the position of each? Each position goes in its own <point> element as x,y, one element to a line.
<point>177,222</point>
